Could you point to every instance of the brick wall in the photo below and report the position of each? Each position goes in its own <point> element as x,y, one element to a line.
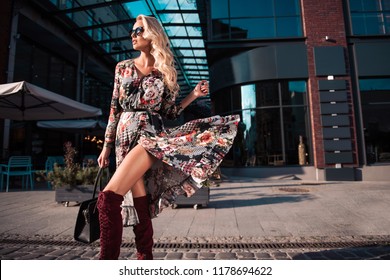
<point>320,19</point>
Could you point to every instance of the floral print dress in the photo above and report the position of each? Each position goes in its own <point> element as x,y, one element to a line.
<point>188,154</point>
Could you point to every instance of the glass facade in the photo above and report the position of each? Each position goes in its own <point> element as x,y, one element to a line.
<point>40,67</point>
<point>102,28</point>
<point>375,100</point>
<point>248,19</point>
<point>107,23</point>
<point>370,17</point>
<point>274,116</point>
<point>43,68</point>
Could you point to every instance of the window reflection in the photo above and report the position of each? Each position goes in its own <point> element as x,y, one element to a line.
<point>248,105</point>
<point>220,29</point>
<point>252,28</point>
<point>247,19</point>
<point>375,98</point>
<point>370,17</point>
<point>267,94</point>
<point>250,8</point>
<point>287,8</point>
<point>273,119</point>
<point>294,93</point>
<point>288,26</point>
<point>220,9</point>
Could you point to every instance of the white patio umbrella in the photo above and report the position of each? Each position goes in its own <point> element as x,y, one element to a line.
<point>25,101</point>
<point>75,126</point>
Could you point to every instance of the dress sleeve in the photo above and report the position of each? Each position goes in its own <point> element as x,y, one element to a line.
<point>169,109</point>
<point>115,111</point>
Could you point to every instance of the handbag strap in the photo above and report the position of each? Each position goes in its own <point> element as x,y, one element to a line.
<point>97,180</point>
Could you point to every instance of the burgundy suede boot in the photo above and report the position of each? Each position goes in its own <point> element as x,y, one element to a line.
<point>144,229</point>
<point>111,228</point>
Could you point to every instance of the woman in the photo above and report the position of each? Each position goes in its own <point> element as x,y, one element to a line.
<point>164,162</point>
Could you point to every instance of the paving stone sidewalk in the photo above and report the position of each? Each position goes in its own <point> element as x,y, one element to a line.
<point>246,219</point>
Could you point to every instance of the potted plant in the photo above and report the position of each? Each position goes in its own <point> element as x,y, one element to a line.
<point>202,196</point>
<point>72,181</point>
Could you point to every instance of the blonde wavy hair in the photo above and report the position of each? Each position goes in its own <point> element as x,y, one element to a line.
<point>163,56</point>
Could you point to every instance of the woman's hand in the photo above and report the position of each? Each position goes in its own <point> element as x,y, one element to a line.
<point>103,159</point>
<point>201,89</point>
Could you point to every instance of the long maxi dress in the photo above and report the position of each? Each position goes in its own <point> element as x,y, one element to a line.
<point>188,154</point>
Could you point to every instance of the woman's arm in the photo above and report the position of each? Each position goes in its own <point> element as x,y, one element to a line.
<point>169,108</point>
<point>201,89</point>
<point>115,112</point>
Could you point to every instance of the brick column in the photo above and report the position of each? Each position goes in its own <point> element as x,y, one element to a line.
<point>320,19</point>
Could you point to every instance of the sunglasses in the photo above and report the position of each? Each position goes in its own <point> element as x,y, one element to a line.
<point>136,32</point>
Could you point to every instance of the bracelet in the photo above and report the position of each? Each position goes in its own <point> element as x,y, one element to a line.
<point>108,145</point>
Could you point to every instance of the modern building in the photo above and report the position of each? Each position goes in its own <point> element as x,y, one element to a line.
<point>310,79</point>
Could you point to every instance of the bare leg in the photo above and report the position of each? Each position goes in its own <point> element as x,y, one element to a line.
<point>138,190</point>
<point>132,168</point>
<point>126,177</point>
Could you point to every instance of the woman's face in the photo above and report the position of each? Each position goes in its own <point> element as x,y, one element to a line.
<point>139,42</point>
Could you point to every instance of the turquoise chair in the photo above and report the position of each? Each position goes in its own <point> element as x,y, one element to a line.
<point>87,158</point>
<point>49,165</point>
<point>19,166</point>
<point>2,166</point>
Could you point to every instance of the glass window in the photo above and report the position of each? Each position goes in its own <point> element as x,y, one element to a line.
<point>194,31</point>
<point>40,68</point>
<point>55,81</point>
<point>221,29</point>
<point>294,93</point>
<point>23,59</point>
<point>288,27</point>
<point>248,19</point>
<point>186,5</point>
<point>295,124</point>
<point>370,17</point>
<point>180,43</point>
<point>365,5</point>
<point>219,105</point>
<point>364,24</point>
<point>271,127</point>
<point>135,8</point>
<point>252,28</point>
<point>90,22</point>
<point>175,31</point>
<point>287,8</point>
<point>95,94</point>
<point>171,18</point>
<point>250,8</point>
<point>235,99</point>
<point>267,94</point>
<point>269,142</point>
<point>375,98</point>
<point>44,69</point>
<point>219,9</point>
<point>166,4</point>
<point>69,80</point>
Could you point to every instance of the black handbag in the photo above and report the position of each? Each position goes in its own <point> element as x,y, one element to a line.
<point>87,228</point>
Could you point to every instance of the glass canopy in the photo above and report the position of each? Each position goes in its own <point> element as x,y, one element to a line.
<point>105,26</point>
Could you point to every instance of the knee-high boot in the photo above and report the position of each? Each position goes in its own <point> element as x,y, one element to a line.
<point>144,229</point>
<point>111,228</point>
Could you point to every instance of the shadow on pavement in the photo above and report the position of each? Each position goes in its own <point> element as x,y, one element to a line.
<point>353,253</point>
